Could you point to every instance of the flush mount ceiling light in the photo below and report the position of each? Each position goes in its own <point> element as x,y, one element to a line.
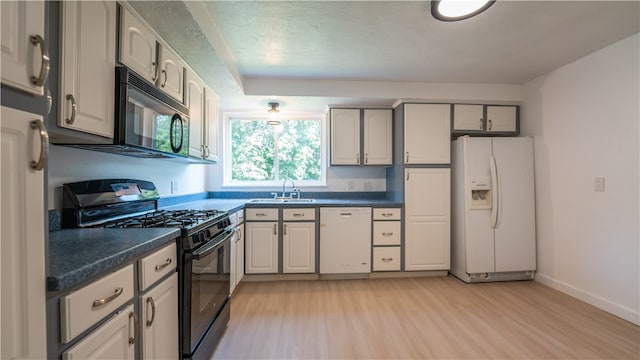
<point>273,114</point>
<point>454,10</point>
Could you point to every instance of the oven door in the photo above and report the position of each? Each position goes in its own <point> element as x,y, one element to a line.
<point>207,285</point>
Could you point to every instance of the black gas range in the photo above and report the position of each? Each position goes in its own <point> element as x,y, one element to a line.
<point>204,250</point>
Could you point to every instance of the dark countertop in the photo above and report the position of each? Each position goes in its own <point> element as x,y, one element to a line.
<point>78,255</point>
<point>237,204</point>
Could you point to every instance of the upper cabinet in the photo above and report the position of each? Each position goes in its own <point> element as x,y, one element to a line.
<point>485,119</point>
<point>87,79</point>
<point>138,46</point>
<point>142,52</point>
<point>427,133</point>
<point>203,110</point>
<point>372,126</point>
<point>25,59</point>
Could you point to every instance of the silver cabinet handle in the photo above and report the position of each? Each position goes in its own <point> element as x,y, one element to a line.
<point>202,151</point>
<point>132,338</point>
<point>261,214</point>
<point>407,160</point>
<point>366,158</point>
<point>358,158</point>
<point>387,259</point>
<point>490,124</point>
<point>44,144</point>
<point>345,214</point>
<point>164,73</point>
<point>162,266</point>
<point>480,123</point>
<point>285,229</point>
<point>298,214</point>
<point>408,173</point>
<point>387,214</point>
<point>207,153</point>
<point>155,71</point>
<point>275,229</point>
<point>387,233</point>
<point>74,109</point>
<point>37,40</point>
<point>153,311</point>
<point>97,303</point>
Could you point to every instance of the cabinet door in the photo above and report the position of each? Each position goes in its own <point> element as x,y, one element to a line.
<point>299,247</point>
<point>211,124</point>
<point>22,250</point>
<point>261,253</point>
<point>195,102</point>
<point>24,59</point>
<point>378,139</point>
<point>345,136</point>
<point>240,255</point>
<point>87,79</point>
<point>427,219</point>
<point>427,133</point>
<point>159,321</point>
<point>501,119</point>
<point>138,46</point>
<point>171,79</point>
<point>113,340</point>
<point>468,117</point>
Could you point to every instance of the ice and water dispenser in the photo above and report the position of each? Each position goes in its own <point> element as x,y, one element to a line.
<point>480,188</point>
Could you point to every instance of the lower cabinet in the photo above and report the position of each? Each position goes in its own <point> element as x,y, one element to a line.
<point>159,320</point>
<point>387,234</point>
<point>237,249</point>
<point>115,339</point>
<point>386,258</point>
<point>299,247</point>
<point>261,252</point>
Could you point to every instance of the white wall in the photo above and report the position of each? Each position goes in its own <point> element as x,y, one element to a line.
<point>70,165</point>
<point>585,119</point>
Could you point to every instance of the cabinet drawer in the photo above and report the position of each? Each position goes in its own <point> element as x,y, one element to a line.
<point>386,258</point>
<point>386,232</point>
<point>299,214</point>
<point>153,267</point>
<point>262,214</point>
<point>81,309</point>
<point>386,214</point>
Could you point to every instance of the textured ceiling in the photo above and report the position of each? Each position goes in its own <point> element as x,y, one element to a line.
<point>237,43</point>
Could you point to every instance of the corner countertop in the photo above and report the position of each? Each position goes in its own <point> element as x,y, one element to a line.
<point>78,255</point>
<point>231,205</point>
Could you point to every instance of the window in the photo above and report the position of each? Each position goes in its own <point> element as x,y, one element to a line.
<point>261,154</point>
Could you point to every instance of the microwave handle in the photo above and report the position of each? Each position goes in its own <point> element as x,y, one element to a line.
<point>176,149</point>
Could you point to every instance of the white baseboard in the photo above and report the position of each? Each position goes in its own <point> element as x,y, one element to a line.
<point>618,310</point>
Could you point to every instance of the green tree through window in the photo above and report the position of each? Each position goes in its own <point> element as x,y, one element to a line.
<point>263,152</point>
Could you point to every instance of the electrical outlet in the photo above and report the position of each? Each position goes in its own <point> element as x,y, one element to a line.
<point>598,184</point>
<point>174,187</point>
<point>368,185</point>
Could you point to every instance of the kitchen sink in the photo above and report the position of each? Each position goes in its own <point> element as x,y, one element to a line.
<point>280,200</point>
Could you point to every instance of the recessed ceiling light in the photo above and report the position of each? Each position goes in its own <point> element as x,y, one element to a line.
<point>454,10</point>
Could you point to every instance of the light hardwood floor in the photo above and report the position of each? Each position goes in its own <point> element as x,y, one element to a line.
<point>419,318</point>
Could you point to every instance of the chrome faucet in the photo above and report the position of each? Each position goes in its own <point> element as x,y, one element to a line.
<point>293,185</point>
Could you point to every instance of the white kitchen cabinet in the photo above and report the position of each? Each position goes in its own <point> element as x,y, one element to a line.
<point>25,59</point>
<point>194,100</point>
<point>87,79</point>
<point>502,119</point>
<point>427,219</point>
<point>386,258</point>
<point>211,125</point>
<point>261,247</point>
<point>427,133</point>
<point>299,247</point>
<point>138,46</point>
<point>468,118</point>
<point>345,136</point>
<point>171,77</point>
<point>237,248</point>
<point>159,323</point>
<point>378,139</point>
<point>115,339</point>
<point>22,248</point>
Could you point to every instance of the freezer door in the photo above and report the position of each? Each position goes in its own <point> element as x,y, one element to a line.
<point>515,233</point>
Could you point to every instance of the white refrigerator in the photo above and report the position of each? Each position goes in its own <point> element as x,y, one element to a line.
<point>493,205</point>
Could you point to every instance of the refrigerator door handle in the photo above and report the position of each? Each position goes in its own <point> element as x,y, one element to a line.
<point>495,190</point>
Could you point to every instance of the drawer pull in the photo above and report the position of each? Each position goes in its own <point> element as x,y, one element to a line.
<point>387,214</point>
<point>387,259</point>
<point>261,214</point>
<point>285,229</point>
<point>298,214</point>
<point>97,303</point>
<point>275,229</point>
<point>153,311</point>
<point>162,266</point>
<point>387,233</point>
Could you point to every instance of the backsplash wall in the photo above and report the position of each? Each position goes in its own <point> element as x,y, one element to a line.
<point>69,165</point>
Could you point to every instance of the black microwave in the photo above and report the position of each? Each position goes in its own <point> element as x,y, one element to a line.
<point>148,122</point>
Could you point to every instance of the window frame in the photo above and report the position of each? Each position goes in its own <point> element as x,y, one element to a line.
<point>226,150</point>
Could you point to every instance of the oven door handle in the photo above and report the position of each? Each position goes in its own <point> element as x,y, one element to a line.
<point>213,244</point>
